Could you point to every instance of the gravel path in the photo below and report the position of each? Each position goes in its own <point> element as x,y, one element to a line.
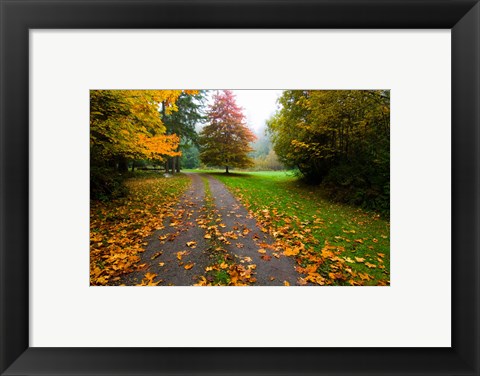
<point>176,261</point>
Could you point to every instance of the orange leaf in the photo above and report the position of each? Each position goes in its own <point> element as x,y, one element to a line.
<point>291,251</point>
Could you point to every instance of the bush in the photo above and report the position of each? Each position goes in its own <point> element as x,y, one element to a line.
<point>362,184</point>
<point>106,184</point>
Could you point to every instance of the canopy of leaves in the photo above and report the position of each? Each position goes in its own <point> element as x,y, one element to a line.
<point>225,140</point>
<point>339,137</point>
<point>127,123</point>
<point>189,113</point>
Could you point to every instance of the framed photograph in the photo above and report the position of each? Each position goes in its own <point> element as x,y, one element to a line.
<point>162,143</point>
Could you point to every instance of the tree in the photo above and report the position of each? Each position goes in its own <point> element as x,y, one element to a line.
<point>340,138</point>
<point>182,123</point>
<point>225,140</point>
<point>126,125</point>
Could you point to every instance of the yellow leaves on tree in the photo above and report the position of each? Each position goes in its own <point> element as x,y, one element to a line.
<point>128,123</point>
<point>157,146</point>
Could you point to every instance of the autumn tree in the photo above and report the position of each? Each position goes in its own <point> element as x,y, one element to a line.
<point>126,125</point>
<point>225,140</point>
<point>340,138</point>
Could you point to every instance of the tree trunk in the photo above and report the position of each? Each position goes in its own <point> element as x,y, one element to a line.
<point>166,166</point>
<point>133,166</point>
<point>178,163</point>
<point>173,165</point>
<point>226,170</point>
<point>122,165</point>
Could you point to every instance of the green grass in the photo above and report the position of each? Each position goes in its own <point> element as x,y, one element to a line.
<point>286,201</point>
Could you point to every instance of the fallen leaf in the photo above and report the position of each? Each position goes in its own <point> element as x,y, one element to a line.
<point>301,281</point>
<point>150,276</point>
<point>359,259</point>
<point>286,283</point>
<point>155,255</point>
<point>189,266</point>
<point>261,250</point>
<point>291,251</point>
<point>364,276</point>
<point>181,254</point>
<point>192,244</point>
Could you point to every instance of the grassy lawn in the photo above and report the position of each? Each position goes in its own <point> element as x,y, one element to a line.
<point>332,243</point>
<point>118,228</point>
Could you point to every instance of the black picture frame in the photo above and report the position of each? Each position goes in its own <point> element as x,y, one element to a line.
<point>19,16</point>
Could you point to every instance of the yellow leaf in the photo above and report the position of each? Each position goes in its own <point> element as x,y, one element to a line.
<point>181,254</point>
<point>208,236</point>
<point>302,281</point>
<point>192,244</point>
<point>370,265</point>
<point>156,255</point>
<point>291,251</point>
<point>202,282</point>
<point>261,250</point>
<point>364,276</point>
<point>150,276</point>
<point>327,253</point>
<point>189,266</point>
<point>359,259</point>
<point>161,264</point>
<point>286,283</point>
